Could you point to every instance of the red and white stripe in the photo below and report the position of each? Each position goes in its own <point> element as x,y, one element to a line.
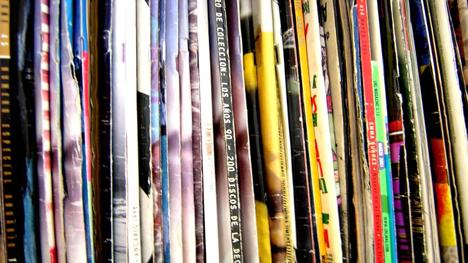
<point>44,143</point>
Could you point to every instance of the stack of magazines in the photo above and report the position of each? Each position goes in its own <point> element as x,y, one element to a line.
<point>233,131</point>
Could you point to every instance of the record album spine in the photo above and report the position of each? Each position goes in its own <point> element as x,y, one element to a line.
<point>188,198</point>
<point>451,91</point>
<point>221,74</point>
<point>23,143</point>
<point>381,144</point>
<point>385,172</point>
<point>131,131</point>
<point>75,232</point>
<point>255,139</point>
<point>105,127</point>
<point>437,138</point>
<point>335,103</point>
<point>155,132</point>
<point>281,86</point>
<point>396,131</point>
<point>207,135</point>
<point>127,244</point>
<point>300,171</point>
<point>119,179</point>
<point>196,130</point>
<point>318,76</point>
<point>173,129</point>
<point>81,58</point>
<point>353,165</point>
<point>56,131</point>
<point>276,177</point>
<point>163,126</point>
<point>10,216</point>
<point>143,35</point>
<point>249,231</point>
<point>319,85</point>
<point>369,110</point>
<point>309,128</point>
<point>41,77</point>
<point>361,184</point>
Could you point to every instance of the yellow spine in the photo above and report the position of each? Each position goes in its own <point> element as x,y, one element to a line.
<point>304,71</point>
<point>273,147</point>
<point>263,230</point>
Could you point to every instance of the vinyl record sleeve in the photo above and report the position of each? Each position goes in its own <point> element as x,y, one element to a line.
<point>11,216</point>
<point>255,137</point>
<point>385,173</point>
<point>319,85</point>
<point>155,132</point>
<point>30,201</point>
<point>131,131</point>
<point>335,105</point>
<point>173,129</point>
<point>247,199</point>
<point>306,238</point>
<point>281,86</point>
<point>416,146</point>
<point>164,140</point>
<point>433,108</point>
<point>451,90</point>
<point>457,38</point>
<point>143,35</point>
<point>74,221</point>
<point>422,146</point>
<point>227,172</point>
<point>197,152</point>
<point>207,133</point>
<point>352,165</point>
<point>56,130</point>
<point>369,111</point>
<point>23,143</point>
<point>363,184</point>
<point>390,242</point>
<point>356,245</point>
<point>127,244</point>
<point>459,21</point>
<point>41,77</point>
<point>276,176</point>
<point>93,31</point>
<point>309,128</point>
<point>119,163</point>
<point>80,47</point>
<point>104,158</point>
<point>188,207</point>
<point>396,133</point>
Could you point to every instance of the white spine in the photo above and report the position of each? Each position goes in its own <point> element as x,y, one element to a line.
<point>209,176</point>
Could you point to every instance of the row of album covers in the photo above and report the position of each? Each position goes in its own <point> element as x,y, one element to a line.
<point>233,131</point>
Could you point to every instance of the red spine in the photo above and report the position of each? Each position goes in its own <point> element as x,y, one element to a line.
<point>371,128</point>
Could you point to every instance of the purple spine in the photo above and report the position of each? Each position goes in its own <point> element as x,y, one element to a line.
<point>173,130</point>
<point>72,151</point>
<point>156,133</point>
<point>196,131</point>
